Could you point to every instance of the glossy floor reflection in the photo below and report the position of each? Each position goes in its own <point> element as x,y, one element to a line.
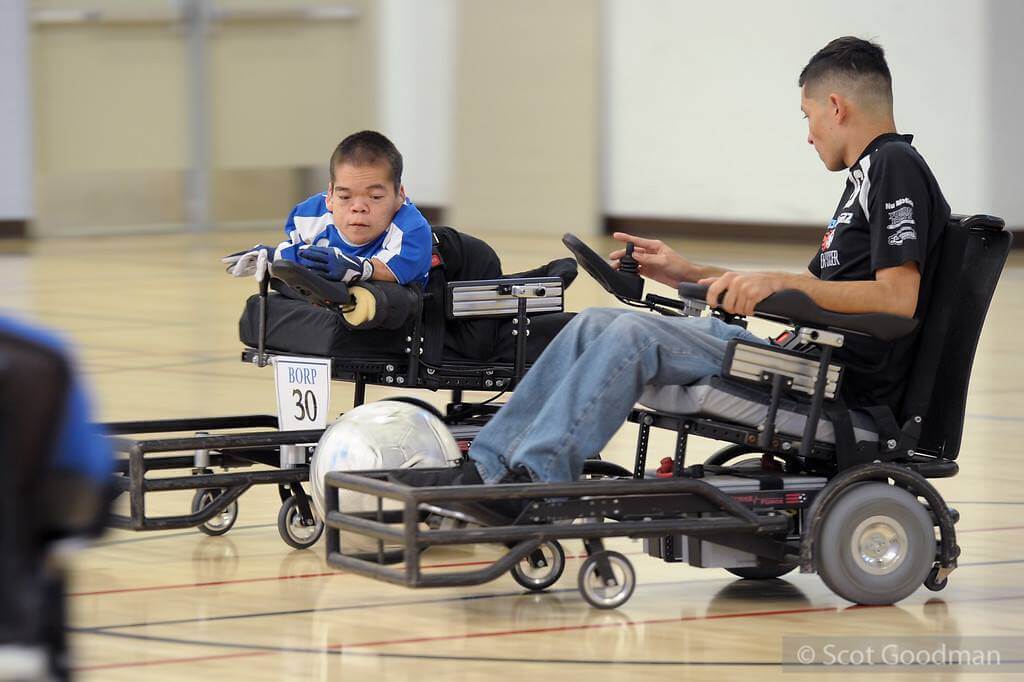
<point>156,330</point>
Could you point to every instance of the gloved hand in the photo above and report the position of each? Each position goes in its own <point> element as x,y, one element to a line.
<point>250,261</point>
<point>331,263</point>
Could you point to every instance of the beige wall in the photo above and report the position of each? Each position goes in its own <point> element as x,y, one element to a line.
<point>111,110</point>
<point>526,116</point>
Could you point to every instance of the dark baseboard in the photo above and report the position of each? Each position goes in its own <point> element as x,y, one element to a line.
<point>433,214</point>
<point>714,229</point>
<point>13,229</point>
<point>778,233</point>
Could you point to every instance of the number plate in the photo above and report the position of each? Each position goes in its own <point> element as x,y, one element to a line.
<point>303,392</point>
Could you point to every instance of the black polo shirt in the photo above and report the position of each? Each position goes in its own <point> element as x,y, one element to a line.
<point>892,212</point>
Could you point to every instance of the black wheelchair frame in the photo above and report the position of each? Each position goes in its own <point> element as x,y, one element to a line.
<point>795,486</point>
<point>146,447</point>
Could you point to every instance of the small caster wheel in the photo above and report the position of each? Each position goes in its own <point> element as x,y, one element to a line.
<point>295,531</point>
<point>219,523</point>
<point>763,572</point>
<point>541,568</point>
<point>932,582</point>
<point>607,591</point>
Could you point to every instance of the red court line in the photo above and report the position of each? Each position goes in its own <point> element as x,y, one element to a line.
<point>300,576</point>
<point>475,635</point>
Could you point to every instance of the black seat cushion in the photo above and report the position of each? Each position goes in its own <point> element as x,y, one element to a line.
<point>300,328</point>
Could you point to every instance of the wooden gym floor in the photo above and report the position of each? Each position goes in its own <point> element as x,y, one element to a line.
<point>154,321</point>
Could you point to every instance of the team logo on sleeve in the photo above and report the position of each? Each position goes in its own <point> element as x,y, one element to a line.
<point>904,234</point>
<point>830,234</point>
<point>901,212</point>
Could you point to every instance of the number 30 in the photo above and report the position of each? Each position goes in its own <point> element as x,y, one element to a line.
<point>306,402</point>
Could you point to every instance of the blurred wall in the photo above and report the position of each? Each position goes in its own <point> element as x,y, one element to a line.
<point>416,82</point>
<point>112,107</point>
<point>1005,97</point>
<point>527,144</point>
<point>517,116</point>
<point>703,106</point>
<point>15,128</point>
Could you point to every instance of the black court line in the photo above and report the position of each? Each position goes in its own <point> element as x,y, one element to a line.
<point>427,601</point>
<point>370,605</point>
<point>164,536</point>
<point>343,650</point>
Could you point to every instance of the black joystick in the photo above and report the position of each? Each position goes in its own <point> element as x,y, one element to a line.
<point>627,263</point>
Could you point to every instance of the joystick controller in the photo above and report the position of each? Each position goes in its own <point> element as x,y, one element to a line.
<point>627,263</point>
<point>624,283</point>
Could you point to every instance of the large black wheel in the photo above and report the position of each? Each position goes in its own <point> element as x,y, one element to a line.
<point>607,589</point>
<point>764,571</point>
<point>541,568</point>
<point>219,523</point>
<point>598,468</point>
<point>296,531</point>
<point>876,544</point>
<point>729,453</point>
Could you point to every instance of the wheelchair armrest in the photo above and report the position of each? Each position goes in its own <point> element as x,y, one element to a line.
<point>501,297</point>
<point>563,268</point>
<point>756,362</point>
<point>791,306</point>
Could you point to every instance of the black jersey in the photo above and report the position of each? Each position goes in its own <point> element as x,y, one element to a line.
<point>892,212</point>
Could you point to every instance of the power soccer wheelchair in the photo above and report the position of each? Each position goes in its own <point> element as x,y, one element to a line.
<point>53,499</point>
<point>472,328</point>
<point>802,483</point>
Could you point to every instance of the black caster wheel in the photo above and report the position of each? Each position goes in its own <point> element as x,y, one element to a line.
<point>876,544</point>
<point>221,522</point>
<point>932,582</point>
<point>607,591</point>
<point>295,531</point>
<point>541,568</point>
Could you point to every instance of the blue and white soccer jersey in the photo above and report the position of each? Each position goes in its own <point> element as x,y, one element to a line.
<point>405,247</point>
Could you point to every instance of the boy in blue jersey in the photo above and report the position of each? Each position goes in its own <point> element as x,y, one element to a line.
<point>363,228</point>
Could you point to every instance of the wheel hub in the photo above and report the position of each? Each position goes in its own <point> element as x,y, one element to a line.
<point>879,544</point>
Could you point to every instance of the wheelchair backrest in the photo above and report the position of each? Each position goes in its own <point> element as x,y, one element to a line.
<point>973,252</point>
<point>463,257</point>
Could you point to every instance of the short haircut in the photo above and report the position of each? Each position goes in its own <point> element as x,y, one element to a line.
<point>853,62</point>
<point>366,148</point>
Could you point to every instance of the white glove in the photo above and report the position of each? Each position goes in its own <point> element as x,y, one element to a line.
<point>250,262</point>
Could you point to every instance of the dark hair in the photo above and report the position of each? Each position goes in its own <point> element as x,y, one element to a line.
<point>850,58</point>
<point>365,148</point>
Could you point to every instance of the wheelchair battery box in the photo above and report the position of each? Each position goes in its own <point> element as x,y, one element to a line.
<point>795,493</point>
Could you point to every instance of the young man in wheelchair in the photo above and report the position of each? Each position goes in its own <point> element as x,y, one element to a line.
<point>363,228</point>
<point>877,255</point>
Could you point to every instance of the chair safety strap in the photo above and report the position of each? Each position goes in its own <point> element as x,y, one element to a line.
<point>888,429</point>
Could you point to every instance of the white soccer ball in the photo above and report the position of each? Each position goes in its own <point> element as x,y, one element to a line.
<point>389,434</point>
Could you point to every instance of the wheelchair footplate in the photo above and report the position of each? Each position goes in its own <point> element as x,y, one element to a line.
<point>649,509</point>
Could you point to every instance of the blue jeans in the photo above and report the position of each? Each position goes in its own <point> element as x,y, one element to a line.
<point>584,384</point>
